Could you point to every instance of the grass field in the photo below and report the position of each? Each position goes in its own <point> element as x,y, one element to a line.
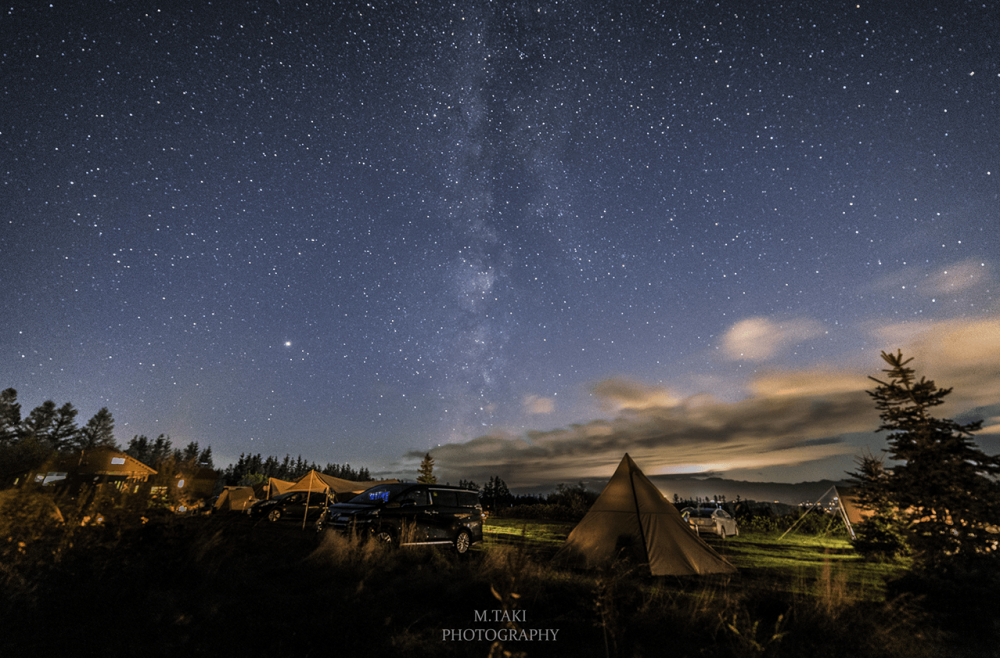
<point>226,585</point>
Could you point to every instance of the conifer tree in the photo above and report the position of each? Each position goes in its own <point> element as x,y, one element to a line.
<point>205,458</point>
<point>39,421</point>
<point>10,416</point>
<point>882,533</point>
<point>63,426</point>
<point>944,487</point>
<point>98,432</point>
<point>426,470</point>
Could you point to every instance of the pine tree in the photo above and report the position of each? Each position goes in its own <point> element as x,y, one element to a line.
<point>881,534</point>
<point>39,422</point>
<point>160,451</point>
<point>138,448</point>
<point>10,416</point>
<point>63,426</point>
<point>190,454</point>
<point>945,488</point>
<point>98,432</point>
<point>426,470</point>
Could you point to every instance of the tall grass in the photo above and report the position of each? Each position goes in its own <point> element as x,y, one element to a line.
<point>229,585</point>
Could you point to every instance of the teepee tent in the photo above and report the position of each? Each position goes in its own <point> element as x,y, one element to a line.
<point>632,515</point>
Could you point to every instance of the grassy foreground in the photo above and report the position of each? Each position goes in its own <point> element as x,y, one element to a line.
<point>226,586</point>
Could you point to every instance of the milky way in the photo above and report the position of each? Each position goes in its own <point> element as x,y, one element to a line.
<point>351,231</point>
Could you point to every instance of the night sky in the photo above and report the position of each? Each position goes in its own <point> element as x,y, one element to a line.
<point>527,237</point>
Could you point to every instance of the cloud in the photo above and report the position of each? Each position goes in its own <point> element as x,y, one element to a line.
<point>807,382</point>
<point>959,354</point>
<point>538,405</point>
<point>758,339</point>
<point>697,434</point>
<point>620,393</point>
<point>958,278</point>
<point>789,418</point>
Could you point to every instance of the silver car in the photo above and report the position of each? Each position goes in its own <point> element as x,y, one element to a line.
<point>714,520</point>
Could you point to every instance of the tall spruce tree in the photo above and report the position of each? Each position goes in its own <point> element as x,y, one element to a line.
<point>882,534</point>
<point>944,487</point>
<point>39,422</point>
<point>10,416</point>
<point>426,470</point>
<point>63,427</point>
<point>98,432</point>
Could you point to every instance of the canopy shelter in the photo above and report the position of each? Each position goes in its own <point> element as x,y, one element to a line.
<point>276,487</point>
<point>317,482</point>
<point>236,499</point>
<point>320,484</point>
<point>632,517</point>
<point>847,505</point>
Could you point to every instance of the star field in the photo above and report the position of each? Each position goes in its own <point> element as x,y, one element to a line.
<point>353,230</point>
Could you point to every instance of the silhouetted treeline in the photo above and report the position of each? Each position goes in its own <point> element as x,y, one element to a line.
<point>496,496</point>
<point>255,469</point>
<point>52,427</point>
<point>158,452</point>
<point>47,432</point>
<point>717,499</point>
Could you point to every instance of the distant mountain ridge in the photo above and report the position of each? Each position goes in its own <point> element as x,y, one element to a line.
<point>691,487</point>
<point>688,488</point>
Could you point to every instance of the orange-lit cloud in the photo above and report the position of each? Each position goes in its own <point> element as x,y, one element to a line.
<point>678,436</point>
<point>959,354</point>
<point>785,418</point>
<point>620,393</point>
<point>536,405</point>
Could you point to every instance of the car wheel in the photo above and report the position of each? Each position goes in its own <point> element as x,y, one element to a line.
<point>274,515</point>
<point>385,538</point>
<point>721,531</point>
<point>463,542</point>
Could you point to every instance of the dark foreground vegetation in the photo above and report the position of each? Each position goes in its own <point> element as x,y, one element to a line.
<point>225,585</point>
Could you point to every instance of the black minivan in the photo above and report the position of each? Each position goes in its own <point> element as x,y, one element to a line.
<point>406,513</point>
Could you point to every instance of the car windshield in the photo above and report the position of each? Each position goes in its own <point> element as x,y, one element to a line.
<point>702,513</point>
<point>383,493</point>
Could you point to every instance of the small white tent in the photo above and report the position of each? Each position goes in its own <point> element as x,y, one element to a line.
<point>632,515</point>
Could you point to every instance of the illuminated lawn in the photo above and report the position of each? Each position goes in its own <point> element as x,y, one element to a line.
<point>794,564</point>
<point>537,536</point>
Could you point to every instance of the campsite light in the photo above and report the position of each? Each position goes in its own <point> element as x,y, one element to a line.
<point>180,484</point>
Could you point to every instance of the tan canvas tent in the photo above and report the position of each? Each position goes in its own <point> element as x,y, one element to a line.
<point>317,482</point>
<point>236,499</point>
<point>320,484</point>
<point>631,515</point>
<point>276,487</point>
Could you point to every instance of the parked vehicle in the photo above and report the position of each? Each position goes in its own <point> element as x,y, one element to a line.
<point>292,506</point>
<point>714,520</point>
<point>408,513</point>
